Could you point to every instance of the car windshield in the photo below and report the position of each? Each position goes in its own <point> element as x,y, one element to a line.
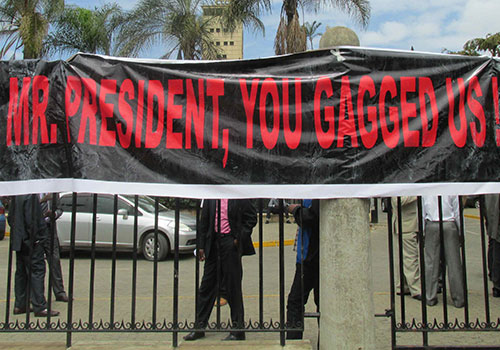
<point>148,204</point>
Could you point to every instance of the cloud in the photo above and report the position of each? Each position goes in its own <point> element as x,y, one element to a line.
<point>429,25</point>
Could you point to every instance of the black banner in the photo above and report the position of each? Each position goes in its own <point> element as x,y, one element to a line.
<point>347,122</point>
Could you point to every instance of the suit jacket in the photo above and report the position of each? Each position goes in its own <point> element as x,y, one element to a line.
<point>26,221</point>
<point>409,214</point>
<point>242,218</point>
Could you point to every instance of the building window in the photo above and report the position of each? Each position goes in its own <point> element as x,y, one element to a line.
<point>217,30</point>
<point>211,30</point>
<point>217,43</point>
<point>224,56</point>
<point>225,43</point>
<point>231,43</point>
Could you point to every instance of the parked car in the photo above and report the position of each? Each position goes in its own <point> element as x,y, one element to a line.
<point>2,221</point>
<point>125,225</point>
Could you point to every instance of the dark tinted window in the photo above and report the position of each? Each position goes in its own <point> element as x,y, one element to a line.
<point>83,203</point>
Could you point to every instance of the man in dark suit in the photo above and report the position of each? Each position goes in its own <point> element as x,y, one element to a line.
<point>225,232</point>
<point>306,267</point>
<point>51,246</point>
<point>28,235</point>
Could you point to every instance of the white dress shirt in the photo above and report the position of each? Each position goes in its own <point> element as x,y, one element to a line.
<point>450,206</point>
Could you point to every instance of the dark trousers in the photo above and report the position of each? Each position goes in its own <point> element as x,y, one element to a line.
<point>230,263</point>
<point>54,261</point>
<point>494,262</point>
<point>295,304</point>
<point>36,281</point>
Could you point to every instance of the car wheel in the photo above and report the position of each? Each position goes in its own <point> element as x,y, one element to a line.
<point>162,246</point>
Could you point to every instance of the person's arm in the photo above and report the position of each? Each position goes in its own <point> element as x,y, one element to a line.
<point>248,217</point>
<point>201,234</point>
<point>305,216</point>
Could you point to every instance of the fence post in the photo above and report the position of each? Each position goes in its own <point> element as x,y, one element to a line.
<point>346,287</point>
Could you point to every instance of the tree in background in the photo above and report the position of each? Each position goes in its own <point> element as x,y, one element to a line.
<point>84,30</point>
<point>177,24</point>
<point>310,29</point>
<point>490,43</point>
<point>291,36</point>
<point>25,24</point>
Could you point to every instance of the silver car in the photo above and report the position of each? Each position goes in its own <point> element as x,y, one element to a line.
<point>125,225</point>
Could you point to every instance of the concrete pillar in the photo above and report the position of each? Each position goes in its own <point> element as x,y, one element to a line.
<point>346,290</point>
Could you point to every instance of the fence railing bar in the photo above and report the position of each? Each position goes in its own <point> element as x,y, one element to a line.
<point>71,270</point>
<point>425,335</point>
<point>282,273</point>
<point>464,260</point>
<point>134,261</point>
<point>401,260</point>
<point>29,286</point>
<point>113,262</point>
<point>175,333</point>
<point>261,263</point>
<point>92,261</point>
<point>9,277</point>
<point>391,272</point>
<point>155,263</point>
<point>443,261</point>
<point>485,266</point>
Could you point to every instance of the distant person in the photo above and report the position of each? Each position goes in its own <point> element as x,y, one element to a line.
<point>28,234</point>
<point>50,216</point>
<point>492,217</point>
<point>273,207</point>
<point>409,238</point>
<point>432,248</point>
<point>307,263</point>
<point>227,238</point>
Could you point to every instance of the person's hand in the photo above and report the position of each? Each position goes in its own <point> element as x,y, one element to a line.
<point>201,254</point>
<point>292,207</point>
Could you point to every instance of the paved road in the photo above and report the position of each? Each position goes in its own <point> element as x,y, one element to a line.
<point>271,285</point>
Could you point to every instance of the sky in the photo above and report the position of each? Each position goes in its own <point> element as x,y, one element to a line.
<point>427,25</point>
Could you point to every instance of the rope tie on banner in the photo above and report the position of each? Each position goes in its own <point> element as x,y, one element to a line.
<point>337,54</point>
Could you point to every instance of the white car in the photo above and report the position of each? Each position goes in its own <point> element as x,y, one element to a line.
<point>125,225</point>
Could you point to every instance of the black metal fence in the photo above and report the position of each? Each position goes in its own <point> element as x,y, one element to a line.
<point>440,323</point>
<point>117,281</point>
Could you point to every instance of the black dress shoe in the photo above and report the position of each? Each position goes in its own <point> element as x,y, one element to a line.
<point>45,313</point>
<point>417,297</point>
<point>406,292</point>
<point>20,310</point>
<point>496,293</point>
<point>194,336</point>
<point>62,297</point>
<point>235,336</point>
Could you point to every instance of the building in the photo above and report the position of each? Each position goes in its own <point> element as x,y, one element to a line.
<point>229,42</point>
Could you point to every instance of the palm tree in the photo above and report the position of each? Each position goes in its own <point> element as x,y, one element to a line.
<point>311,29</point>
<point>176,23</point>
<point>490,43</point>
<point>80,29</point>
<point>25,24</point>
<point>291,36</point>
